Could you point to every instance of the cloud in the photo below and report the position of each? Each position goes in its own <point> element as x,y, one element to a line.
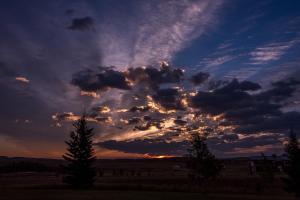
<point>216,61</point>
<point>22,79</point>
<point>147,146</point>
<point>222,146</point>
<point>92,81</point>
<point>68,116</point>
<point>90,94</point>
<point>169,98</point>
<point>238,146</point>
<point>249,112</point>
<point>199,78</point>
<point>158,32</point>
<point>242,73</point>
<point>90,117</point>
<point>281,123</point>
<point>270,52</point>
<point>230,96</point>
<point>281,90</point>
<point>152,113</point>
<point>82,24</point>
<point>155,76</point>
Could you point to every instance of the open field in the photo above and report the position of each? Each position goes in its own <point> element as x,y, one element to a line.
<point>141,179</point>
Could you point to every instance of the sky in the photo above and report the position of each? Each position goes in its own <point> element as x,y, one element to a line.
<point>148,74</point>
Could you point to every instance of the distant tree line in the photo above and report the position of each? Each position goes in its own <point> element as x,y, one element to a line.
<point>23,166</point>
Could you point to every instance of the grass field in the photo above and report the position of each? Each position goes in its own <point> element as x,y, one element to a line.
<point>135,182</point>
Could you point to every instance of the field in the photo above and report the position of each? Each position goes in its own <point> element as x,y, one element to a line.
<point>35,194</point>
<point>142,179</point>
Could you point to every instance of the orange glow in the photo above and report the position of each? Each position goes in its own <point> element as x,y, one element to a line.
<point>184,102</point>
<point>22,79</point>
<point>121,110</point>
<point>157,156</point>
<point>90,94</point>
<point>155,106</point>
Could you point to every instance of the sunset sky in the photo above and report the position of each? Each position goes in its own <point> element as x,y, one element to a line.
<point>148,74</point>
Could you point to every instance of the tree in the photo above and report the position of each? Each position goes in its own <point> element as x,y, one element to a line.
<point>202,163</point>
<point>79,171</point>
<point>267,169</point>
<point>293,169</point>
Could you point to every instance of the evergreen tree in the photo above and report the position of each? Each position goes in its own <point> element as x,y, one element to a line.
<point>79,171</point>
<point>267,171</point>
<point>293,169</point>
<point>202,163</point>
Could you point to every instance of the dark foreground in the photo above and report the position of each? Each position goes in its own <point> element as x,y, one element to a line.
<point>37,194</point>
<point>141,179</point>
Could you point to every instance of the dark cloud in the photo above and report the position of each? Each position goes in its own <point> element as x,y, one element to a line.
<point>281,123</point>
<point>161,145</point>
<point>149,146</point>
<point>249,112</point>
<point>89,80</point>
<point>102,119</point>
<point>231,96</point>
<point>134,120</point>
<point>281,90</point>
<point>154,77</point>
<point>226,145</point>
<point>180,122</point>
<point>169,98</point>
<point>236,86</point>
<point>139,109</point>
<point>199,78</point>
<point>221,145</point>
<point>82,24</point>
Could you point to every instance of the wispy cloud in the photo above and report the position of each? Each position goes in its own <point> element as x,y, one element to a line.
<point>161,30</point>
<point>216,61</point>
<point>242,73</point>
<point>270,52</point>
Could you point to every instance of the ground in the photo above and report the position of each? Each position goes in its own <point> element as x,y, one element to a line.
<point>37,194</point>
<point>143,180</point>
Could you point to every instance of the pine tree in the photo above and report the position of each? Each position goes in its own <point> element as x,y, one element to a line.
<point>203,163</point>
<point>79,171</point>
<point>293,169</point>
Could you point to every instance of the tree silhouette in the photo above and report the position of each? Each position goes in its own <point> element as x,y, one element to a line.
<point>202,163</point>
<point>79,172</point>
<point>267,170</point>
<point>293,169</point>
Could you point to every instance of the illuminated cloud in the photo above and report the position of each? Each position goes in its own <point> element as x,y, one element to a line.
<point>270,52</point>
<point>22,79</point>
<point>90,94</point>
